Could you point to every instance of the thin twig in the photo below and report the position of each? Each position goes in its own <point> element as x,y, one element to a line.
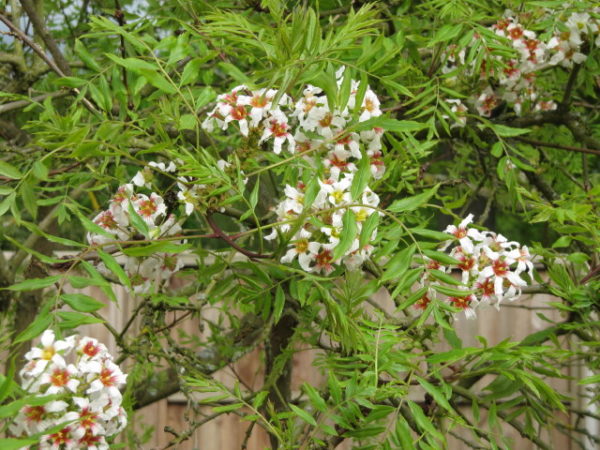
<point>40,52</point>
<point>564,104</point>
<point>38,25</point>
<point>229,240</point>
<point>23,103</point>
<point>559,146</point>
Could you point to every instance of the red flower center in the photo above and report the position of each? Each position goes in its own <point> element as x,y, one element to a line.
<point>89,439</point>
<point>516,33</point>
<point>87,418</point>
<point>60,377</point>
<point>335,161</point>
<point>324,258</point>
<point>487,287</point>
<point>61,437</point>
<point>500,268</point>
<point>466,263</point>
<point>90,349</point>
<point>259,101</point>
<point>326,121</point>
<point>461,302</point>
<point>107,378</point>
<point>34,413</point>
<point>279,129</point>
<point>147,207</point>
<point>239,112</point>
<point>422,302</point>
<point>107,221</point>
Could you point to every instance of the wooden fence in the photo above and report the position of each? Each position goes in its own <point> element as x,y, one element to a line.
<point>229,432</point>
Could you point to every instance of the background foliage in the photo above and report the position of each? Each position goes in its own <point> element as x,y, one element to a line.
<point>93,91</point>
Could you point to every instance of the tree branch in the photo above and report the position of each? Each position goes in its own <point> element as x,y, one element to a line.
<point>40,29</point>
<point>165,383</point>
<point>559,146</point>
<point>230,241</point>
<point>40,52</point>
<point>23,103</point>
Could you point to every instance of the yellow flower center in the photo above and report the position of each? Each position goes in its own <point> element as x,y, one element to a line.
<point>337,196</point>
<point>48,353</point>
<point>302,246</point>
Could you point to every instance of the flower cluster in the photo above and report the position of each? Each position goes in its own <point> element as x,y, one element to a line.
<point>118,224</point>
<point>318,130</point>
<point>515,82</point>
<point>89,399</point>
<point>491,268</point>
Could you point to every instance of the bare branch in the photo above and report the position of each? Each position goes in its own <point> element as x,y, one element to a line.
<point>40,29</point>
<point>40,52</point>
<point>559,146</point>
<point>23,103</point>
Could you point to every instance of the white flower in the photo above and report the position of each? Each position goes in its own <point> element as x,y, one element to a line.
<point>460,110</point>
<point>370,106</point>
<point>171,167</point>
<point>464,234</point>
<point>276,127</point>
<point>260,103</point>
<point>149,208</point>
<point>486,102</point>
<point>337,191</point>
<point>499,271</point>
<point>467,303</point>
<point>303,249</point>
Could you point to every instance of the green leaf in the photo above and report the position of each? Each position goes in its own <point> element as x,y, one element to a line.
<point>227,408</point>
<point>303,415</point>
<point>254,193</point>
<point>28,197</point>
<point>348,235</point>
<point>71,319</point>
<point>12,408</point>
<point>156,247</point>
<point>7,202</point>
<point>445,277</point>
<point>368,227</point>
<point>396,266</point>
<point>82,302</point>
<point>85,56</point>
<point>112,265</point>
<point>10,171</point>
<point>396,126</point>
<point>436,394</point>
<point>315,398</point>
<point>445,34</point>
<point>441,257</point>
<point>40,171</point>
<point>590,380</point>
<point>435,235</point>
<point>92,227</point>
<point>451,292</point>
<point>423,421</point>
<point>360,94</point>
<point>505,131</point>
<point>72,82</point>
<point>33,284</point>
<point>187,122</point>
<point>138,223</point>
<point>149,71</point>
<point>361,178</point>
<point>40,324</point>
<point>279,303</point>
<point>16,444</point>
<point>412,203</point>
<point>191,71</point>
